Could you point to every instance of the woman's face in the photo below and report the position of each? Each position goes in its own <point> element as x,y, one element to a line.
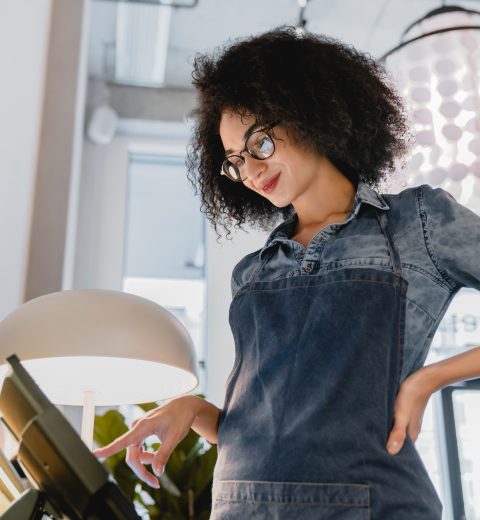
<point>282,178</point>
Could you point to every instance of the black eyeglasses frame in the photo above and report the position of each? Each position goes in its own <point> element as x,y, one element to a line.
<point>228,164</point>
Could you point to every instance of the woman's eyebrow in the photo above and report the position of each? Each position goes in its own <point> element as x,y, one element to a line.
<point>246,135</point>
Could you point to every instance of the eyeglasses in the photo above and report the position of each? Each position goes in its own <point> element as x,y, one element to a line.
<point>259,145</point>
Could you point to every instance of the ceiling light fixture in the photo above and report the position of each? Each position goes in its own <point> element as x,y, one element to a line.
<point>437,69</point>
<point>170,3</point>
<point>302,22</point>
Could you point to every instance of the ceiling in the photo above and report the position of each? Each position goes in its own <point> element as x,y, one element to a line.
<point>373,26</point>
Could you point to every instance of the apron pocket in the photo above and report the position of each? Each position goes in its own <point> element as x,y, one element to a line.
<point>241,499</point>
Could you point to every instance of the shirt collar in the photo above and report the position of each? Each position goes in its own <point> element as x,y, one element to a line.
<point>364,195</point>
<point>368,195</point>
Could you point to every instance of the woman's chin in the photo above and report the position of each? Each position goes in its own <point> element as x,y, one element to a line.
<point>279,202</point>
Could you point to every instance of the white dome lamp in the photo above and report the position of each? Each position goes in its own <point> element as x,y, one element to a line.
<point>96,347</point>
<point>437,69</point>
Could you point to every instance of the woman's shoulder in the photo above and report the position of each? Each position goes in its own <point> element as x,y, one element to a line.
<point>449,229</point>
<point>424,199</point>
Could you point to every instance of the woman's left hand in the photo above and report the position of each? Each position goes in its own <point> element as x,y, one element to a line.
<point>410,404</point>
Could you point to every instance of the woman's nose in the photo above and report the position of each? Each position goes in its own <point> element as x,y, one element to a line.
<point>253,168</point>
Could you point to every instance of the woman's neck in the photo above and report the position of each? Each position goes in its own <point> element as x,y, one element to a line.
<point>328,200</point>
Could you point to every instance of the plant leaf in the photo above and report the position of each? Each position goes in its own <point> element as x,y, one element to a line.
<point>188,442</point>
<point>168,485</point>
<point>108,427</point>
<point>126,480</point>
<point>146,407</point>
<point>202,476</point>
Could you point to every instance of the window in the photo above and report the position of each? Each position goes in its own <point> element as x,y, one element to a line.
<point>165,242</point>
<point>461,403</point>
<point>451,421</point>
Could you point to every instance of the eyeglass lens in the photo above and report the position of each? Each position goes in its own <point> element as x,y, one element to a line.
<point>259,145</point>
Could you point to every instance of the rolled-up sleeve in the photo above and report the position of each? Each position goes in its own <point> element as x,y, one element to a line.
<point>452,237</point>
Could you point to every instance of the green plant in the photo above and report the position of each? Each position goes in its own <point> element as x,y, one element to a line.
<point>185,486</point>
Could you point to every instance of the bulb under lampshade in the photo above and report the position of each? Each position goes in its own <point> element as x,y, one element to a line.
<point>123,348</point>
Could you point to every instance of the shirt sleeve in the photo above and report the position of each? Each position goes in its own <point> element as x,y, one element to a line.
<point>452,237</point>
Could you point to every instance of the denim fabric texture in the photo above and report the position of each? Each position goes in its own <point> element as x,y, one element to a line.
<point>438,240</point>
<point>320,354</point>
<point>285,500</point>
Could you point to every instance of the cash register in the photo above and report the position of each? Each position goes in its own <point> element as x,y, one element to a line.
<point>68,482</point>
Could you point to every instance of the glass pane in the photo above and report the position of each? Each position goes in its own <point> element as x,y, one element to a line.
<point>164,243</point>
<point>183,298</point>
<point>428,447</point>
<point>458,332</point>
<point>466,405</point>
<point>164,227</point>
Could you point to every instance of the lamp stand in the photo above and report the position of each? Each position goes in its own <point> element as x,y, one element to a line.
<point>88,418</point>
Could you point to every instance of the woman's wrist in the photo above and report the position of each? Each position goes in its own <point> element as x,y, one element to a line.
<point>460,367</point>
<point>192,401</point>
<point>206,414</point>
<point>427,379</point>
<point>439,375</point>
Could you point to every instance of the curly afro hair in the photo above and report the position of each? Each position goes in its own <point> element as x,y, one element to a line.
<point>333,99</point>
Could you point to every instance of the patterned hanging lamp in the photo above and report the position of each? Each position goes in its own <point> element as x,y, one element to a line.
<point>437,70</point>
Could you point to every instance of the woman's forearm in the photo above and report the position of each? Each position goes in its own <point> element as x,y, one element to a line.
<point>453,369</point>
<point>206,418</point>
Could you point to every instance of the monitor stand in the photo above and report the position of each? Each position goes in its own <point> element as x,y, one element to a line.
<point>108,504</point>
<point>31,505</point>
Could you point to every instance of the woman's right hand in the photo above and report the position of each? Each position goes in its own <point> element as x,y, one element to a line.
<point>170,423</point>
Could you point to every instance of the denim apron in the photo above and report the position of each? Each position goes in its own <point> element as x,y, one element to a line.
<point>309,403</point>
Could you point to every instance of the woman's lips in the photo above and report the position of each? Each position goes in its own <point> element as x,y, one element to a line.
<point>270,186</point>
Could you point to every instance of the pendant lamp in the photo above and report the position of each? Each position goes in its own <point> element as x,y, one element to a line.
<point>436,67</point>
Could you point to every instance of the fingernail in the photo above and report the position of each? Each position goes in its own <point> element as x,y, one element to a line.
<point>158,470</point>
<point>393,447</point>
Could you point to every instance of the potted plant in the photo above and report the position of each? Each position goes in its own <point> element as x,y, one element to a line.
<point>185,486</point>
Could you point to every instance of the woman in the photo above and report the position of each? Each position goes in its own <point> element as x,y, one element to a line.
<point>334,316</point>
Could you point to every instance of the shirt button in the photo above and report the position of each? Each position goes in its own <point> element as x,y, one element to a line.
<point>307,269</point>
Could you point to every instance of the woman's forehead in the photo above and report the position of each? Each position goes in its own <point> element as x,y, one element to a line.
<point>233,119</point>
<point>234,128</point>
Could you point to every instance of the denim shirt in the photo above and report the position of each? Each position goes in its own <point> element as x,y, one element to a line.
<point>438,240</point>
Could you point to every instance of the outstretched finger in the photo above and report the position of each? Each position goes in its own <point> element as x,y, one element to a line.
<point>133,437</point>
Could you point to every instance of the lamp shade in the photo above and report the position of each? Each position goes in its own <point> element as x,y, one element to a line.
<point>436,68</point>
<point>122,347</point>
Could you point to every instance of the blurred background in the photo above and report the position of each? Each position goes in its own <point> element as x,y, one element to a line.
<point>94,123</point>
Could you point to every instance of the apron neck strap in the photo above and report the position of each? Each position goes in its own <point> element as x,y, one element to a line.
<point>392,248</point>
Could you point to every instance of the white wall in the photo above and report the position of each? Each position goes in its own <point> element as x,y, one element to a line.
<point>57,172</point>
<point>24,34</point>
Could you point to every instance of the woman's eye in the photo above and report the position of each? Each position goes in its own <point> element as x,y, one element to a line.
<point>263,146</point>
<point>236,161</point>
